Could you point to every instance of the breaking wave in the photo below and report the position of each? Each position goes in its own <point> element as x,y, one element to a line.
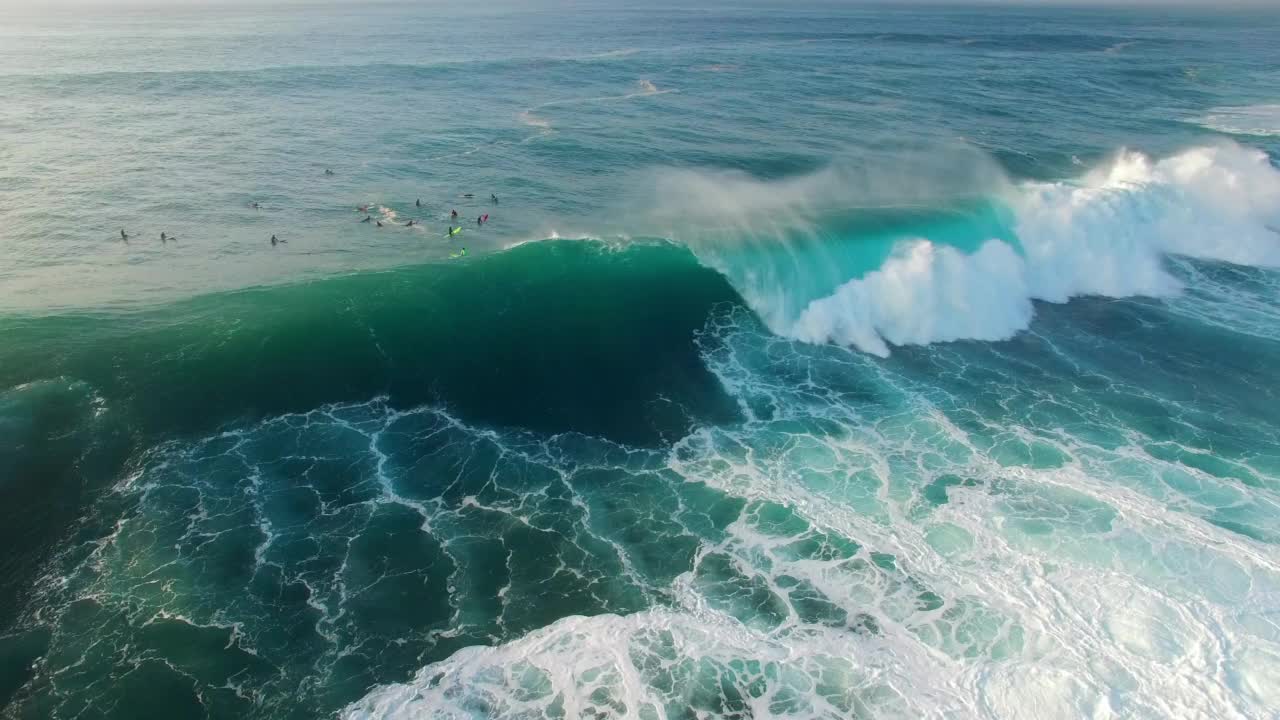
<point>942,265</point>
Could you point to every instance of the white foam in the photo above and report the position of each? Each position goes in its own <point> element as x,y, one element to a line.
<point>925,293</point>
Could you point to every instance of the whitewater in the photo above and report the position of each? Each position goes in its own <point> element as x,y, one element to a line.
<point>816,362</point>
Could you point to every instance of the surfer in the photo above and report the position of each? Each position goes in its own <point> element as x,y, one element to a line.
<point>379,223</point>
<point>418,202</point>
<point>255,206</point>
<point>163,238</point>
<point>274,240</point>
<point>479,221</point>
<point>409,224</point>
<point>453,215</point>
<point>363,208</point>
<point>467,195</point>
<point>327,171</point>
<point>493,198</point>
<point>367,218</point>
<point>124,235</point>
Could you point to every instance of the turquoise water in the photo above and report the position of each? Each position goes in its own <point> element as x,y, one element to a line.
<point>816,362</point>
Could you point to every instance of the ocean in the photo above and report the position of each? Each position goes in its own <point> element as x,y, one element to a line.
<point>816,360</point>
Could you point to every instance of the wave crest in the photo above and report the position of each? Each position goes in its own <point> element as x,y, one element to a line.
<point>925,293</point>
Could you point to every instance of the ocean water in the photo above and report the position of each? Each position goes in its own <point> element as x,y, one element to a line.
<point>818,360</point>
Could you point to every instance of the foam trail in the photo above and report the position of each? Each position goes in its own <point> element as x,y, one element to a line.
<point>531,118</point>
<point>644,87</point>
<point>624,52</point>
<point>528,118</point>
<point>1120,46</point>
<point>1257,120</point>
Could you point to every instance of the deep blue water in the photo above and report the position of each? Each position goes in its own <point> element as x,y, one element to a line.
<point>816,361</point>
